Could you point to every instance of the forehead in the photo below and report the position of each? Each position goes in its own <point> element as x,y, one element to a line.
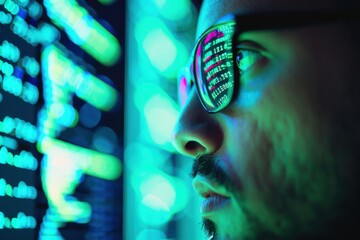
<point>212,10</point>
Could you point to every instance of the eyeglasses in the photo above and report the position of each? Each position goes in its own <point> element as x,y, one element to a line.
<point>213,66</point>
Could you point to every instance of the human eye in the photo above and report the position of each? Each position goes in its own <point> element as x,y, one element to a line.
<point>247,58</point>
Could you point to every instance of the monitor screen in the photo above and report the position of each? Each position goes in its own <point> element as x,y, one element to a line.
<point>61,119</point>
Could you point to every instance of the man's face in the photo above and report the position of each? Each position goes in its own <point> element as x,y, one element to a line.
<point>276,160</point>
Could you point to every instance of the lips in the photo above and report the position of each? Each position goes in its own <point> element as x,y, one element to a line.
<point>213,203</point>
<point>215,195</point>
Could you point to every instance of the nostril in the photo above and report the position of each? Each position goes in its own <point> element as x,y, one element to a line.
<point>194,146</point>
<point>190,145</point>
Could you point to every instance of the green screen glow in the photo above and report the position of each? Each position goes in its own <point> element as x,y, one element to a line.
<point>84,30</point>
<point>107,2</point>
<point>63,72</point>
<point>88,161</point>
<point>63,163</point>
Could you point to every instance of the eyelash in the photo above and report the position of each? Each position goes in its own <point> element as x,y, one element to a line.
<point>246,58</point>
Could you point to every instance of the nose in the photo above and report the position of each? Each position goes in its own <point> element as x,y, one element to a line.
<point>197,132</point>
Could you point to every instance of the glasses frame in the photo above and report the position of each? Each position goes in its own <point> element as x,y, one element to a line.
<point>260,21</point>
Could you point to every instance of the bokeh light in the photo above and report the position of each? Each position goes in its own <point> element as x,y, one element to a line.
<point>161,116</point>
<point>84,30</point>
<point>89,116</point>
<point>174,10</point>
<point>159,193</point>
<point>107,2</point>
<point>162,48</point>
<point>105,140</point>
<point>151,234</point>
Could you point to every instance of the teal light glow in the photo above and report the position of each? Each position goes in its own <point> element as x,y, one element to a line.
<point>5,18</point>
<point>151,234</point>
<point>6,68</point>
<point>161,114</point>
<point>158,193</point>
<point>165,53</point>
<point>174,10</point>
<point>49,33</point>
<point>31,66</point>
<point>63,163</point>
<point>35,10</point>
<point>144,157</point>
<point>9,51</point>
<point>65,113</point>
<point>21,221</point>
<point>12,85</point>
<point>182,195</point>
<point>84,30</point>
<point>24,90</point>
<point>157,196</point>
<point>154,217</point>
<point>19,128</point>
<point>69,77</point>
<point>24,160</point>
<point>63,166</point>
<point>30,93</point>
<point>12,7</point>
<point>105,140</point>
<point>161,195</point>
<point>88,161</point>
<point>21,191</point>
<point>23,3</point>
<point>8,143</point>
<point>89,115</point>
<point>160,49</point>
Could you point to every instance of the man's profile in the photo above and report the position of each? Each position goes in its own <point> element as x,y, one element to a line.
<point>270,113</point>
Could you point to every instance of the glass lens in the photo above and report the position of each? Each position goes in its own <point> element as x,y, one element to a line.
<point>214,67</point>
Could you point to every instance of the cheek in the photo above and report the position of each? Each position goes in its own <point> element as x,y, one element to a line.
<point>288,144</point>
<point>284,167</point>
<point>248,152</point>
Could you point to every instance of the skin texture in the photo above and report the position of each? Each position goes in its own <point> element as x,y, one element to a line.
<point>290,150</point>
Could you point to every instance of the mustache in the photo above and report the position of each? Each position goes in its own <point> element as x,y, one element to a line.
<point>209,166</point>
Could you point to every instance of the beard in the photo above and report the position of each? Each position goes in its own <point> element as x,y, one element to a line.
<point>208,165</point>
<point>310,195</point>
